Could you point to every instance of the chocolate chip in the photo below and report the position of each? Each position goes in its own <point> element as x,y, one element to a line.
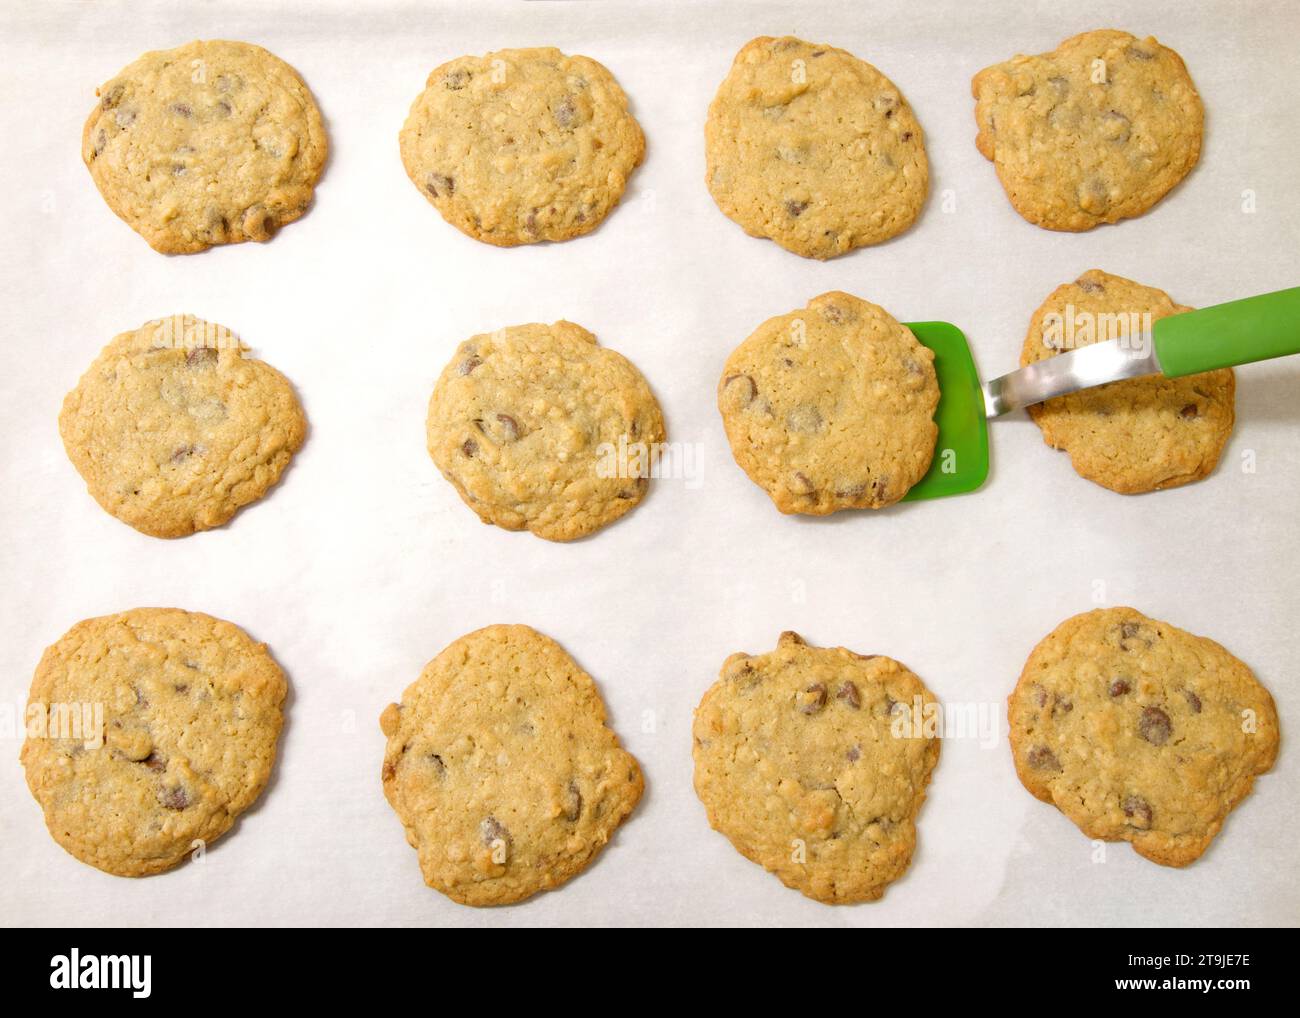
<point>837,314</point>
<point>113,96</point>
<point>885,104</point>
<point>853,754</point>
<point>1154,726</point>
<point>812,699</point>
<point>906,136</point>
<point>1040,758</point>
<point>1089,285</point>
<point>1117,126</point>
<point>439,768</point>
<point>174,798</point>
<point>1139,54</point>
<point>509,427</point>
<point>804,419</point>
<point>572,803</point>
<point>1188,412</point>
<point>439,185</point>
<point>183,453</point>
<point>181,109</point>
<point>1061,703</point>
<point>740,388</point>
<point>469,447</point>
<point>469,364</point>
<point>491,830</point>
<point>1119,687</point>
<point>1133,635</point>
<point>1097,194</point>
<point>795,209</point>
<point>200,356</point>
<point>1138,810</point>
<point>1193,701</point>
<point>224,108</point>
<point>565,114</point>
<point>800,484</point>
<point>848,692</point>
<point>455,80</point>
<point>741,671</point>
<point>154,762</point>
<point>499,428</point>
<point>389,771</point>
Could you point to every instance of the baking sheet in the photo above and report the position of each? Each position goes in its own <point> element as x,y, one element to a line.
<point>363,563</point>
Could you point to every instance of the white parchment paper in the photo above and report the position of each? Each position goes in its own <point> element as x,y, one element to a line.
<point>363,563</point>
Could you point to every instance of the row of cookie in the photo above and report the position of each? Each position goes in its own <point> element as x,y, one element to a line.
<point>806,144</point>
<point>150,731</point>
<point>538,427</point>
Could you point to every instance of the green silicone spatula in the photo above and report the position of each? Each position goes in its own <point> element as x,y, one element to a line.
<point>1239,332</point>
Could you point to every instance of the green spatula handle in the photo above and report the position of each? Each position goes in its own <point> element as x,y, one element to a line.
<point>1241,331</point>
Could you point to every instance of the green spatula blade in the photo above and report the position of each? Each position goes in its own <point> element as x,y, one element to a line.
<point>961,452</point>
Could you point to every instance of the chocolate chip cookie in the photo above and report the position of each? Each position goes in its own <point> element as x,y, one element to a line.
<point>522,145</point>
<point>502,769</point>
<point>831,407</point>
<point>148,733</point>
<point>174,429</point>
<point>539,427</point>
<point>814,148</point>
<point>1141,434</point>
<point>814,763</point>
<point>209,143</point>
<point>1096,131</point>
<point>1140,732</point>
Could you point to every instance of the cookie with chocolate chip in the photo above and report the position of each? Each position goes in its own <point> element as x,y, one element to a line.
<point>1096,131</point>
<point>814,761</point>
<point>1141,434</point>
<point>148,733</point>
<point>814,148</point>
<point>174,429</point>
<point>502,769</point>
<point>831,407</point>
<point>521,145</point>
<point>1140,732</point>
<point>210,143</point>
<point>540,428</point>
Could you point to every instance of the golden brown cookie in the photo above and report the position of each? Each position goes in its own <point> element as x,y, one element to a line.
<point>148,733</point>
<point>209,143</point>
<point>1140,732</point>
<point>173,428</point>
<point>1096,131</point>
<point>502,769</point>
<point>814,761</point>
<point>521,145</point>
<point>539,427</point>
<point>814,148</point>
<point>831,407</point>
<point>1141,434</point>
